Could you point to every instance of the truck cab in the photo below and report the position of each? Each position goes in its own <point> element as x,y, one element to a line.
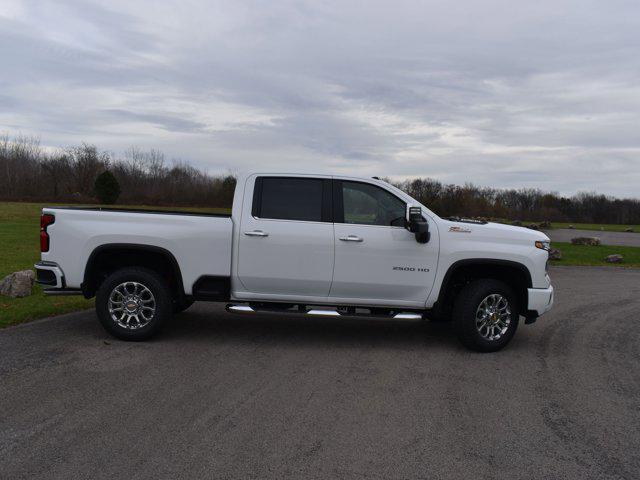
<point>336,240</point>
<point>302,244</point>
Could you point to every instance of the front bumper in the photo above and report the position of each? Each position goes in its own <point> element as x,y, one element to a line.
<point>540,299</point>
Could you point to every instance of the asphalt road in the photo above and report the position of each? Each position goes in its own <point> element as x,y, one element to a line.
<point>629,239</point>
<point>222,396</point>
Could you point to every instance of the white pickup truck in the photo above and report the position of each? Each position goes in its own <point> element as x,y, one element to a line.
<point>303,244</point>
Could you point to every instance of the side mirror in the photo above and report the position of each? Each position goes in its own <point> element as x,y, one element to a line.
<point>417,224</point>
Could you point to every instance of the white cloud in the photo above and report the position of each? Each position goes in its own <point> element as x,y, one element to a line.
<point>544,94</point>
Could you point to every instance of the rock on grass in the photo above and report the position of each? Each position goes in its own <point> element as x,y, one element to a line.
<point>555,254</point>
<point>592,241</point>
<point>17,284</point>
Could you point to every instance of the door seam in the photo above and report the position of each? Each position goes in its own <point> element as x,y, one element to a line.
<point>333,268</point>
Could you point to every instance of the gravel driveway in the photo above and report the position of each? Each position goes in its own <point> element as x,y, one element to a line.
<point>221,396</point>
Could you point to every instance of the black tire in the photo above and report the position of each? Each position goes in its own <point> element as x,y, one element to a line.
<point>151,323</point>
<point>466,307</point>
<point>181,304</point>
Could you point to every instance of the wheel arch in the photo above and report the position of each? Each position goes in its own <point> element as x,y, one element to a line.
<point>461,272</point>
<point>108,258</point>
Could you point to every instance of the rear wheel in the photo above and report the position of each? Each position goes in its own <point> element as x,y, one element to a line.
<point>485,315</point>
<point>133,303</point>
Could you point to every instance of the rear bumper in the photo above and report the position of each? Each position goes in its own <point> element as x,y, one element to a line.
<point>540,300</point>
<point>49,275</point>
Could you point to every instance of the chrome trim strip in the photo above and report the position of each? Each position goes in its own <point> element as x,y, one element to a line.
<point>407,316</point>
<point>240,309</point>
<point>324,313</point>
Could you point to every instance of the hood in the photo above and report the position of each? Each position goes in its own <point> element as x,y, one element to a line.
<point>494,231</point>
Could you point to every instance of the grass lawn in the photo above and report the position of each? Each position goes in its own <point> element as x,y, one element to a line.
<point>20,249</point>
<point>597,226</point>
<point>587,255</point>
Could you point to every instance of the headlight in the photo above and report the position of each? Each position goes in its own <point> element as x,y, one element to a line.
<point>543,244</point>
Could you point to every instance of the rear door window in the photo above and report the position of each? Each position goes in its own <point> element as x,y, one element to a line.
<point>289,198</point>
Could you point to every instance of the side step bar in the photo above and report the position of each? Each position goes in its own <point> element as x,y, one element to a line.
<point>62,291</point>
<point>321,313</point>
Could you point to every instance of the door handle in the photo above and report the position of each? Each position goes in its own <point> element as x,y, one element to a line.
<point>257,233</point>
<point>351,238</point>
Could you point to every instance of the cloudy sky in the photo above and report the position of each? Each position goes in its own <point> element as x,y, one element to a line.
<point>510,93</point>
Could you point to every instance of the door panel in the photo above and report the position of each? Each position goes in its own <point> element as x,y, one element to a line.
<point>292,255</point>
<point>374,259</point>
<point>387,264</point>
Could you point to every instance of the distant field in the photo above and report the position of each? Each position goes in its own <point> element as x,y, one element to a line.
<point>587,256</point>
<point>597,226</point>
<point>20,249</point>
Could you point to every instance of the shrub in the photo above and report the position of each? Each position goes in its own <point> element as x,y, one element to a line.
<point>107,188</point>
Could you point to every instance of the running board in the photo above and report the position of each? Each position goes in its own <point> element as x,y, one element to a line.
<point>62,291</point>
<point>315,312</point>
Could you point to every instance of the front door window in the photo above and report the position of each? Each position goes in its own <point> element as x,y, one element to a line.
<point>366,204</point>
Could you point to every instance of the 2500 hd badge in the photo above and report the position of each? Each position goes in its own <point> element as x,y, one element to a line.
<point>411,269</point>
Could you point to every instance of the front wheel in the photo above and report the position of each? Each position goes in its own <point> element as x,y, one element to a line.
<point>133,303</point>
<point>485,315</point>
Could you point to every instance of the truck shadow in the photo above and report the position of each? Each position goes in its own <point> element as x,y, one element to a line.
<point>204,323</point>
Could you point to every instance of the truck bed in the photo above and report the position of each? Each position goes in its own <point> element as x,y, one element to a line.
<point>144,210</point>
<point>200,242</point>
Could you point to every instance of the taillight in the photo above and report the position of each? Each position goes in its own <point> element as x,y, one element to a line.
<point>45,220</point>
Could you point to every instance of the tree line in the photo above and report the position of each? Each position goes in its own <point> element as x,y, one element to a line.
<point>525,204</point>
<point>30,173</point>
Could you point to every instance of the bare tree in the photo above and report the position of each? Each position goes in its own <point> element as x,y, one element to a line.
<point>86,163</point>
<point>57,170</point>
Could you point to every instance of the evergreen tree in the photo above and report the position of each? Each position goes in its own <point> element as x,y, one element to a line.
<point>107,188</point>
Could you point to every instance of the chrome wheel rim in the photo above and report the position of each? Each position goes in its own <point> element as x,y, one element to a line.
<point>132,305</point>
<point>493,317</point>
